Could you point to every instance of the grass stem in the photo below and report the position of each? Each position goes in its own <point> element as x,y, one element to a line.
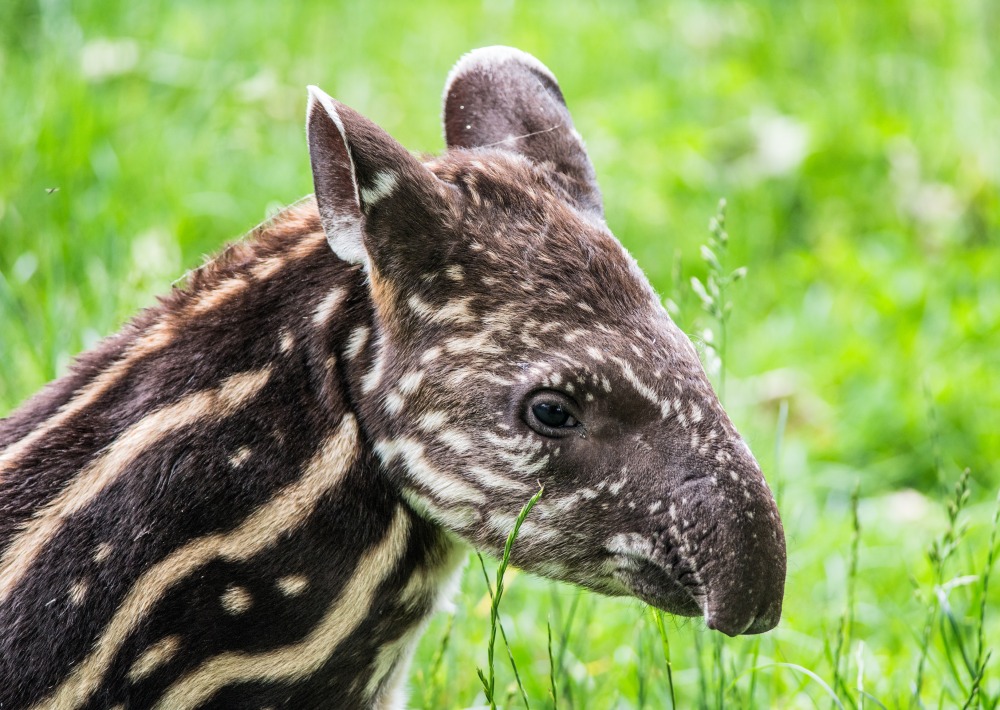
<point>489,683</point>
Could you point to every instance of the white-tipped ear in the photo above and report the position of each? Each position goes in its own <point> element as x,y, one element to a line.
<point>334,180</point>
<point>503,98</point>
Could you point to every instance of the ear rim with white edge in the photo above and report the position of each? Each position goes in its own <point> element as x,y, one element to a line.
<point>504,98</point>
<point>342,220</point>
<point>378,203</point>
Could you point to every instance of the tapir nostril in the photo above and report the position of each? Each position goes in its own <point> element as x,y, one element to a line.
<point>730,627</point>
<point>734,607</point>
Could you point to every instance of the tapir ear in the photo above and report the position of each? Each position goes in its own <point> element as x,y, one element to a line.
<point>504,98</point>
<point>364,180</point>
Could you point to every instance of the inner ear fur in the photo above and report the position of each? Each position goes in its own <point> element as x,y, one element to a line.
<point>380,207</point>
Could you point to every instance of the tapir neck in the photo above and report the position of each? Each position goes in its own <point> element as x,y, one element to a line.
<point>206,522</point>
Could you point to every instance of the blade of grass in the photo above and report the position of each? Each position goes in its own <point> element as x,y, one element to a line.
<point>702,680</point>
<point>753,672</point>
<point>976,683</point>
<point>719,671</point>
<point>439,655</point>
<point>503,634</point>
<point>495,597</point>
<point>552,670</point>
<point>665,643</point>
<point>846,627</point>
<point>940,551</point>
<point>982,655</point>
<point>812,676</point>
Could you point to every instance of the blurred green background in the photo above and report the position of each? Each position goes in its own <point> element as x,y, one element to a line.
<point>857,144</point>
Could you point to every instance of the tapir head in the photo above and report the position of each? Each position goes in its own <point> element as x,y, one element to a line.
<point>518,344</point>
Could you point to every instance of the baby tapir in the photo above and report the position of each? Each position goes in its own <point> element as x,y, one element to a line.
<point>257,493</point>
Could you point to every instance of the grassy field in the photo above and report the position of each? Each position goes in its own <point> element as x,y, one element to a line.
<point>857,146</point>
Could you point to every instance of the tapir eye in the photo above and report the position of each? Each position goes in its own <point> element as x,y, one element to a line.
<point>550,413</point>
<point>553,415</point>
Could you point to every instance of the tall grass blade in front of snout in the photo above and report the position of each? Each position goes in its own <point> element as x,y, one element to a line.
<point>489,680</point>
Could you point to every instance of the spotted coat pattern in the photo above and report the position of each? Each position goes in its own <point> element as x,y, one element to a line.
<point>257,493</point>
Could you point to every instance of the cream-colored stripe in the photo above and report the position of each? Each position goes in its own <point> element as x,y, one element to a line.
<point>157,337</point>
<point>642,388</point>
<point>223,291</point>
<point>302,659</point>
<point>261,530</point>
<point>108,467</point>
<point>153,657</point>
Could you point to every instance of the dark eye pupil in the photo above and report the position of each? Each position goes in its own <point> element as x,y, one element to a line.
<point>551,415</point>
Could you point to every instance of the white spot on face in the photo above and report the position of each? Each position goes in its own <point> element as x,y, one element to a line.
<point>393,403</point>
<point>641,387</point>
<point>383,183</point>
<point>733,475</point>
<point>359,336</point>
<point>458,517</point>
<point>240,457</point>
<point>444,487</point>
<point>481,344</point>
<point>630,544</point>
<point>328,306</point>
<point>236,599</point>
<point>496,481</point>
<point>293,585</point>
<point>409,382</point>
<point>531,530</point>
<point>287,341</point>
<point>456,311</point>
<point>432,420</point>
<point>455,440</point>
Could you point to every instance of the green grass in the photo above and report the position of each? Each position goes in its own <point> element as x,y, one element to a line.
<point>856,145</point>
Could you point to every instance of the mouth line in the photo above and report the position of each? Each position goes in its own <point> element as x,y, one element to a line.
<point>654,583</point>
